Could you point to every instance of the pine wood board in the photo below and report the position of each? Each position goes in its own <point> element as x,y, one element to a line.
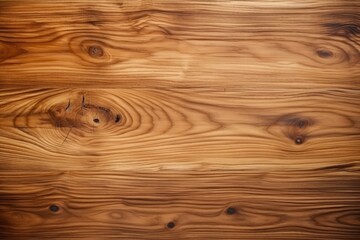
<point>201,205</point>
<point>164,119</point>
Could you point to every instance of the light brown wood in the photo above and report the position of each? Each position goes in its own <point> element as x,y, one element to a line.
<point>164,119</point>
<point>178,129</point>
<point>135,205</point>
<point>159,43</point>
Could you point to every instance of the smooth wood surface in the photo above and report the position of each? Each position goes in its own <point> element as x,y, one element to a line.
<point>178,129</point>
<point>171,43</point>
<point>135,205</point>
<point>164,119</point>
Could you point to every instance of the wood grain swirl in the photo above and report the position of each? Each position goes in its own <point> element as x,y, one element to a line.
<point>216,43</point>
<point>167,119</point>
<point>187,205</point>
<point>160,129</point>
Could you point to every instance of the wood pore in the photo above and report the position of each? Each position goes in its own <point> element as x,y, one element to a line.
<point>168,119</point>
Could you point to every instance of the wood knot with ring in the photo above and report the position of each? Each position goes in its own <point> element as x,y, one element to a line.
<point>95,51</point>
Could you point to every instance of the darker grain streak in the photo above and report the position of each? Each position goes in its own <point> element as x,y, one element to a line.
<point>347,30</point>
<point>83,101</point>
<point>295,120</point>
<point>104,110</point>
<point>92,12</point>
<point>67,134</point>
<point>9,50</point>
<point>68,106</point>
<point>94,23</point>
<point>337,167</point>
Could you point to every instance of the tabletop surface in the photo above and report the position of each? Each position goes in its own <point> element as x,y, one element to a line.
<point>168,119</point>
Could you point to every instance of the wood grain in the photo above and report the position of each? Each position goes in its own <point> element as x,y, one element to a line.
<point>164,119</point>
<point>216,43</point>
<point>135,205</point>
<point>156,129</point>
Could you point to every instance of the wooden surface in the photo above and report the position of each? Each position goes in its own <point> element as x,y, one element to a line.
<point>164,119</point>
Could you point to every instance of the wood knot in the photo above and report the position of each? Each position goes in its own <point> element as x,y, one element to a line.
<point>54,208</point>
<point>323,53</point>
<point>170,225</point>
<point>79,114</point>
<point>117,118</point>
<point>95,51</point>
<point>299,140</point>
<point>230,211</point>
<point>294,126</point>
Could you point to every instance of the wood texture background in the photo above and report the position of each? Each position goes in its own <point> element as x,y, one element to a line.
<point>168,119</point>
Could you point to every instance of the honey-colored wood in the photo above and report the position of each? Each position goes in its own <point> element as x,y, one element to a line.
<point>247,204</point>
<point>178,129</point>
<point>171,43</point>
<point>164,119</point>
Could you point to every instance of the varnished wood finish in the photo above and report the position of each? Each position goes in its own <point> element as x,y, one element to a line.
<point>178,129</point>
<point>133,205</point>
<point>164,119</point>
<point>171,43</point>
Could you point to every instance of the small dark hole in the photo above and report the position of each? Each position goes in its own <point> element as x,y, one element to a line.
<point>299,140</point>
<point>96,120</point>
<point>171,225</point>
<point>54,208</point>
<point>117,118</point>
<point>231,211</point>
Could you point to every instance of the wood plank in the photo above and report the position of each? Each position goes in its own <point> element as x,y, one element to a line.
<point>178,129</point>
<point>167,119</point>
<point>219,44</point>
<point>201,205</point>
